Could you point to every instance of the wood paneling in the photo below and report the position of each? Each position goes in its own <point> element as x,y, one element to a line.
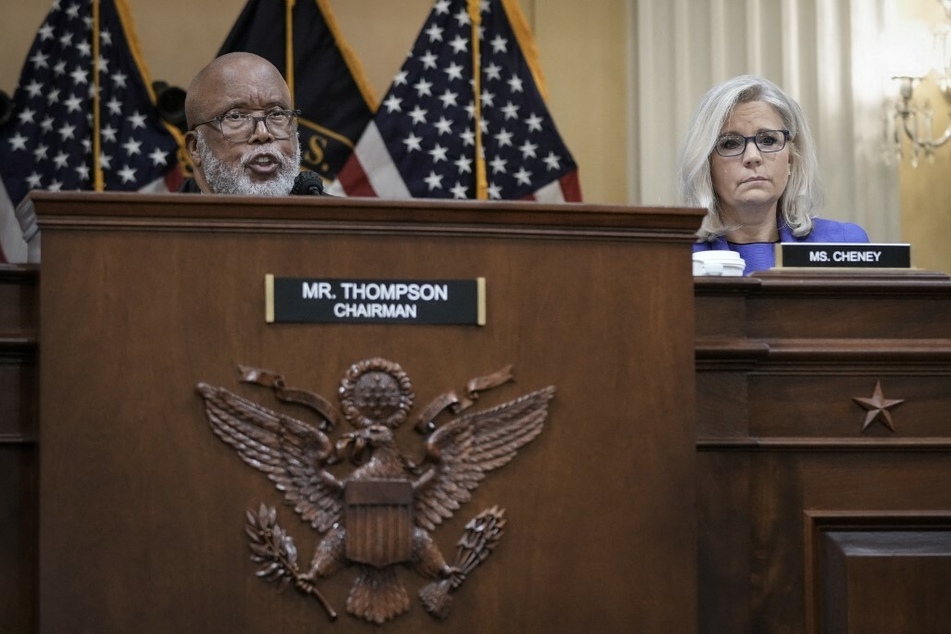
<point>878,571</point>
<point>18,493</point>
<point>809,521</point>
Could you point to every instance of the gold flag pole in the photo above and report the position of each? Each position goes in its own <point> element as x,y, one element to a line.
<point>289,46</point>
<point>98,180</point>
<point>482,186</point>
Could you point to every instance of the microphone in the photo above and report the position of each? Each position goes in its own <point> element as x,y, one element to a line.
<point>170,102</point>
<point>308,183</point>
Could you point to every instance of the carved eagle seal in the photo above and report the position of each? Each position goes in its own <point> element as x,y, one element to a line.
<point>381,514</point>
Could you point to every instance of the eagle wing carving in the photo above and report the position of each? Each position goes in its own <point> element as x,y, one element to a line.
<point>290,452</point>
<point>461,452</point>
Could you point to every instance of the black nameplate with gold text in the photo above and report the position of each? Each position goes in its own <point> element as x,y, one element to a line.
<point>372,301</point>
<point>839,255</point>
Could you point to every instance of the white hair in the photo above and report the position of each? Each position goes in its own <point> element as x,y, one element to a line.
<point>802,198</point>
<point>228,178</point>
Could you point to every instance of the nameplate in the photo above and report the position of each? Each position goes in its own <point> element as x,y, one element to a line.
<point>829,254</point>
<point>372,301</point>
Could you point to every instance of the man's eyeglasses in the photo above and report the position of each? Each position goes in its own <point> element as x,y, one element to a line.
<point>239,127</point>
<point>767,141</point>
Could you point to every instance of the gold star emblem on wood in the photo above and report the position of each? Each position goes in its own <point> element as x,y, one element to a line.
<point>877,407</point>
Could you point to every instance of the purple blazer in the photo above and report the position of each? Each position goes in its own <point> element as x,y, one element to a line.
<point>762,255</point>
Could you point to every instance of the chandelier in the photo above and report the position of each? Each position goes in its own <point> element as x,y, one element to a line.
<point>909,119</point>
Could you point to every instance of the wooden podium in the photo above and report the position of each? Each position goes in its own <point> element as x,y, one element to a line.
<point>142,509</point>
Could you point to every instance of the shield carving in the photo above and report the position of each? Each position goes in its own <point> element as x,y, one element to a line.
<point>379,521</point>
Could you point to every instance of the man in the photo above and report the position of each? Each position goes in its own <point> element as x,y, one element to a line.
<point>242,133</point>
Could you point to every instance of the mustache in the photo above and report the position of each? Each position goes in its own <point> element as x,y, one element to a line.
<point>229,176</point>
<point>254,153</point>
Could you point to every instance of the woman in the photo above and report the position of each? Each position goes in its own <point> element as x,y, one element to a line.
<point>749,159</point>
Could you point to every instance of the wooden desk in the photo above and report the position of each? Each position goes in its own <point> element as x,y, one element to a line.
<point>809,519</point>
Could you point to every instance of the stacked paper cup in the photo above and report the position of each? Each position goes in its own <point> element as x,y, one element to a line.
<point>726,263</point>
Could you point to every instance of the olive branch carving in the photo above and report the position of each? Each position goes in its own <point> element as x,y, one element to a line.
<point>272,547</point>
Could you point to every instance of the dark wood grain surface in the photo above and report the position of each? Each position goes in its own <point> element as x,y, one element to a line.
<point>142,508</point>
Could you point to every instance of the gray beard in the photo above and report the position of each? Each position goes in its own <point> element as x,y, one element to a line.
<point>224,178</point>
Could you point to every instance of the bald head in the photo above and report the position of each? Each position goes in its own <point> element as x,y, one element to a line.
<point>230,81</point>
<point>259,159</point>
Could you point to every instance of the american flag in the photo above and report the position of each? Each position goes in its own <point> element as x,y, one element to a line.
<point>60,135</point>
<point>465,117</point>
